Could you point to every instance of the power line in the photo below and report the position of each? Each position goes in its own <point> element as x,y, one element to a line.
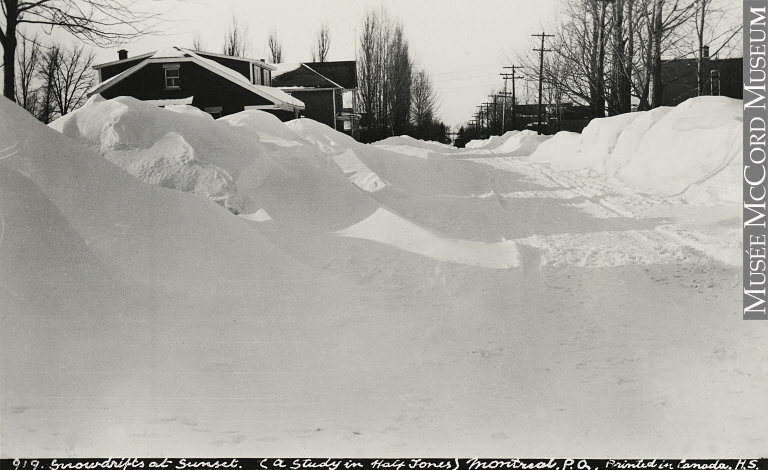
<point>541,68</point>
<point>514,78</point>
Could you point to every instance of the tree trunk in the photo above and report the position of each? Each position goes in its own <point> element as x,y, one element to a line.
<point>626,92</point>
<point>700,36</point>
<point>9,43</point>
<point>600,75</point>
<point>594,88</point>
<point>658,86</point>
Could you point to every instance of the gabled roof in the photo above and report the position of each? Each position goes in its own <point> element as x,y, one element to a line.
<point>302,77</point>
<point>342,72</point>
<point>260,63</point>
<point>281,99</point>
<point>317,75</point>
<point>129,59</point>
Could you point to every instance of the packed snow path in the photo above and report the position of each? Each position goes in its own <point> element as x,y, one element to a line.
<point>139,320</point>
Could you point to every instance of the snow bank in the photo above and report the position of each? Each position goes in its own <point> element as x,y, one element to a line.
<point>246,161</point>
<point>513,143</point>
<point>408,141</point>
<point>385,227</point>
<point>138,232</point>
<point>490,143</point>
<point>596,142</point>
<point>438,174</point>
<point>697,145</point>
<point>691,149</point>
<point>189,109</point>
<point>522,143</point>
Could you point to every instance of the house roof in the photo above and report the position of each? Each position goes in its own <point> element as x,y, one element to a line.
<point>261,63</point>
<point>129,59</point>
<point>302,77</point>
<point>280,99</point>
<point>342,72</point>
<point>316,75</point>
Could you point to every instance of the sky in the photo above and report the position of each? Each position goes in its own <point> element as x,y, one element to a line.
<point>462,44</point>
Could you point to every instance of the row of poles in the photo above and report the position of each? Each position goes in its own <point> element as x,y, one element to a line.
<point>485,108</point>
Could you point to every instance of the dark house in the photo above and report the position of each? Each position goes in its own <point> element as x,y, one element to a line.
<point>722,77</point>
<point>215,83</point>
<point>326,88</point>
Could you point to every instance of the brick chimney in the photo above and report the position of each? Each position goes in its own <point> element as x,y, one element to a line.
<point>122,54</point>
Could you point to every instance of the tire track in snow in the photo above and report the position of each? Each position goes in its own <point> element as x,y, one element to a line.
<point>666,244</point>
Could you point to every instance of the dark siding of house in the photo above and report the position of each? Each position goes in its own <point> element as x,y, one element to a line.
<point>209,89</point>
<point>681,83</point>
<point>243,68</point>
<point>319,105</point>
<point>112,70</point>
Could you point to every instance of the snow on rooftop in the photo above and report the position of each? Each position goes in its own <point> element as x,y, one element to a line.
<point>284,68</point>
<point>171,52</point>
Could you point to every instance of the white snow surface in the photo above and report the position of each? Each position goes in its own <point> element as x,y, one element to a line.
<point>517,143</point>
<point>694,148</point>
<point>477,303</point>
<point>385,227</point>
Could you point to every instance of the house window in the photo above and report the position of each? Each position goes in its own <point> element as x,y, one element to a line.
<point>267,77</point>
<point>172,77</point>
<point>257,80</point>
<point>715,82</point>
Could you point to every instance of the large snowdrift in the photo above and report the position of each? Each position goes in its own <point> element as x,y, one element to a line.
<point>144,320</point>
<point>415,147</point>
<point>246,162</point>
<point>145,233</point>
<point>302,174</point>
<point>512,143</point>
<point>692,149</point>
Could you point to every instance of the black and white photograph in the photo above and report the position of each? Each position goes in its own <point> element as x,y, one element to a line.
<point>383,229</point>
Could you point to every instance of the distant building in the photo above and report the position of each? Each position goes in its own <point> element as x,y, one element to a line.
<point>722,77</point>
<point>326,88</point>
<point>215,83</point>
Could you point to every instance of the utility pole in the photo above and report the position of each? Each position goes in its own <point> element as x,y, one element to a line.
<point>541,68</point>
<point>514,77</point>
<point>480,122</point>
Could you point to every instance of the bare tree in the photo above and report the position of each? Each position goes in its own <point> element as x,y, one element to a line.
<point>715,30</point>
<point>423,102</point>
<point>398,82</point>
<point>666,16</point>
<point>65,75</point>
<point>28,63</point>
<point>322,44</point>
<point>384,76</point>
<point>197,42</point>
<point>237,40</point>
<point>72,78</point>
<point>370,74</point>
<point>97,22</point>
<point>49,64</point>
<point>275,48</point>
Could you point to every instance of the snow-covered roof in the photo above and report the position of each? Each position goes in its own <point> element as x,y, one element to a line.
<point>261,63</point>
<point>170,52</point>
<point>284,68</point>
<point>278,97</point>
<point>129,59</point>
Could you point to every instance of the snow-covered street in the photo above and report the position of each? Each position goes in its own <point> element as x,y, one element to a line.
<point>289,291</point>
